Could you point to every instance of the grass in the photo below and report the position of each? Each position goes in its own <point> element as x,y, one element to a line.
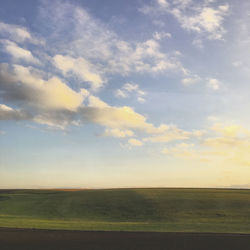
<point>175,210</point>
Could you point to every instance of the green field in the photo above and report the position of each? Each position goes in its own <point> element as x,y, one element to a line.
<point>169,210</point>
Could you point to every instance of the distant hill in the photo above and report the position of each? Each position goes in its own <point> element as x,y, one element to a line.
<point>155,209</point>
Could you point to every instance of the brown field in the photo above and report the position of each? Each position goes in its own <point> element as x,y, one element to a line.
<point>30,239</point>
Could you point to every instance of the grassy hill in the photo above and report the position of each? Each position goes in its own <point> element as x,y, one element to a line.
<point>196,210</point>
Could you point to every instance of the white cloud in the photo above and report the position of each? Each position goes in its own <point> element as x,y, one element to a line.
<point>92,56</point>
<point>19,53</point>
<point>128,88</point>
<point>167,134</point>
<point>140,92</point>
<point>80,67</point>
<point>199,17</point>
<point>135,142</point>
<point>114,117</point>
<point>213,83</point>
<point>26,85</point>
<point>121,93</point>
<point>163,3</point>
<point>117,119</point>
<point>57,119</point>
<point>53,103</point>
<point>190,80</point>
<point>144,57</point>
<point>198,43</point>
<point>140,99</point>
<point>17,33</point>
<point>95,102</point>
<point>118,133</point>
<point>107,53</point>
<point>161,35</point>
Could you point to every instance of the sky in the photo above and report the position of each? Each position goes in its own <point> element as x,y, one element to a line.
<point>114,93</point>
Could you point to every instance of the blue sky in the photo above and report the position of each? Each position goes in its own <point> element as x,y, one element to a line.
<point>98,94</point>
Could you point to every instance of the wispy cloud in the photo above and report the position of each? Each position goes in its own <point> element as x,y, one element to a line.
<point>102,47</point>
<point>18,33</point>
<point>200,17</point>
<point>18,53</point>
<point>115,132</point>
<point>223,143</point>
<point>135,142</point>
<point>15,32</point>
<point>160,35</point>
<point>8,113</point>
<point>190,80</point>
<point>168,133</point>
<point>127,89</point>
<point>213,83</point>
<point>80,67</point>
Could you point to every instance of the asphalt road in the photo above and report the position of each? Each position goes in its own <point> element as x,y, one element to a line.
<point>29,239</point>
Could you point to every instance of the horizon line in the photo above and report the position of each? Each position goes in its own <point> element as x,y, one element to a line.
<point>107,188</point>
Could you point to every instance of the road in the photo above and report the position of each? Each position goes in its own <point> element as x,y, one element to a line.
<point>29,239</point>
